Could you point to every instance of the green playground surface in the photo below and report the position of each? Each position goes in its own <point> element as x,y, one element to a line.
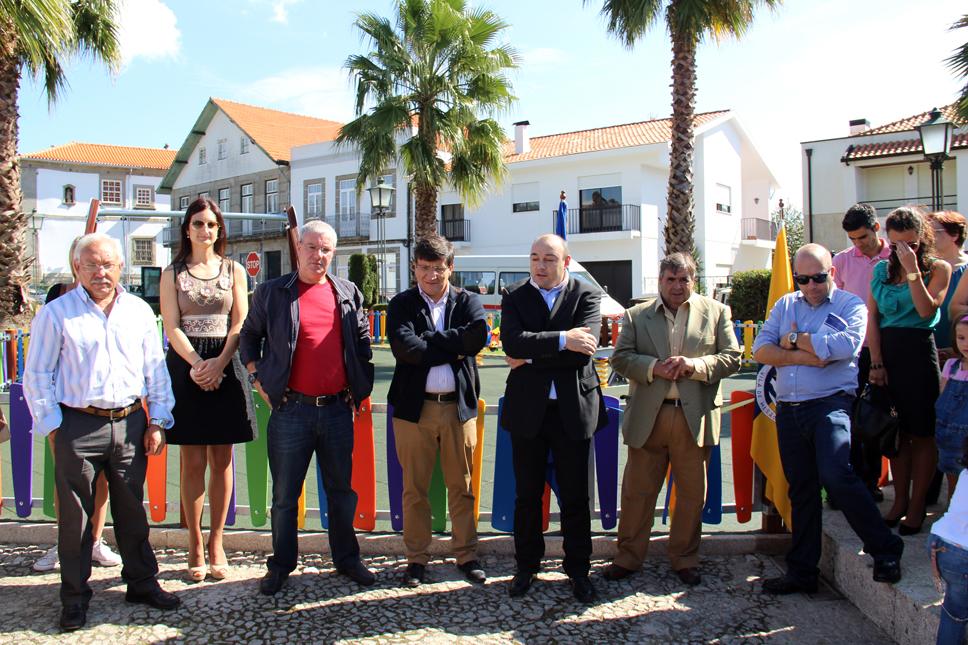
<point>492,373</point>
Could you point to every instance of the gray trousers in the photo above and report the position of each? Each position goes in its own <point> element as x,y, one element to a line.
<point>84,446</point>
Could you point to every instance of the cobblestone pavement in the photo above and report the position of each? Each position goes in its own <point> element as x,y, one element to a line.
<point>319,606</point>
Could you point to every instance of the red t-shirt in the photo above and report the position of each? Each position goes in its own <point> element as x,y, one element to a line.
<point>317,364</point>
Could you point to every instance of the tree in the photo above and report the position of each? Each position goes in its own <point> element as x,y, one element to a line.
<point>958,62</point>
<point>431,83</point>
<point>688,23</point>
<point>792,218</point>
<point>38,37</point>
<point>363,273</point>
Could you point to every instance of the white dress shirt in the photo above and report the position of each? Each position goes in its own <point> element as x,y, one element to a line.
<point>440,378</point>
<point>550,296</point>
<point>80,357</point>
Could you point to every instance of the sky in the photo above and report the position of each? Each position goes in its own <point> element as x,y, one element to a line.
<point>799,74</point>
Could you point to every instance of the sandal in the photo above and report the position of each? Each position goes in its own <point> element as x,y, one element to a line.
<point>196,574</point>
<point>219,571</point>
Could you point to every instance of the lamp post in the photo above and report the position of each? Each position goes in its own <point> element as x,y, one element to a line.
<point>36,224</point>
<point>936,134</point>
<point>380,197</point>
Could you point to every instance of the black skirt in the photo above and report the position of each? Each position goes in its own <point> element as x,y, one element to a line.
<point>913,377</point>
<point>223,416</point>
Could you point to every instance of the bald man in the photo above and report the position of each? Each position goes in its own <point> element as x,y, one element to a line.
<point>552,405</point>
<point>813,337</point>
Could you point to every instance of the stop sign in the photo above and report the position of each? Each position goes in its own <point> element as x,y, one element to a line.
<point>253,264</point>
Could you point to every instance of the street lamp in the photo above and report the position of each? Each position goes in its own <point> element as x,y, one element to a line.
<point>936,134</point>
<point>380,197</point>
<point>36,224</point>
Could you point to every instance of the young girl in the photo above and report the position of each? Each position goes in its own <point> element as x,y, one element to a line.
<point>948,542</point>
<point>952,406</point>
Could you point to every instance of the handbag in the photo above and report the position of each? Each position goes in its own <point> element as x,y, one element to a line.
<point>875,418</point>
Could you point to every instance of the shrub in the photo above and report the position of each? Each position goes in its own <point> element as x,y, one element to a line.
<point>363,273</point>
<point>751,289</point>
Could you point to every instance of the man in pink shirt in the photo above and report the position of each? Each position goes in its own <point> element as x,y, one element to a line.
<point>854,270</point>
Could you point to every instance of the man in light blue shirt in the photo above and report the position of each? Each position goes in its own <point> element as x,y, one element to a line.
<point>813,338</point>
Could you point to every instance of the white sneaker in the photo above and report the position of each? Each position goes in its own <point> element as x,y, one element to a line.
<point>47,562</point>
<point>103,555</point>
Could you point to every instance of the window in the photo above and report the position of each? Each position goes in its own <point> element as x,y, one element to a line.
<point>244,145</point>
<point>314,200</point>
<point>524,197</point>
<point>203,194</point>
<point>142,251</point>
<point>111,191</point>
<point>68,194</point>
<point>347,196</point>
<point>451,212</point>
<point>223,148</point>
<point>224,199</point>
<point>272,196</point>
<point>183,202</point>
<point>607,197</point>
<point>202,156</point>
<point>480,282</point>
<point>601,209</point>
<point>247,198</point>
<point>510,277</point>
<point>724,199</point>
<point>144,197</point>
<point>273,264</point>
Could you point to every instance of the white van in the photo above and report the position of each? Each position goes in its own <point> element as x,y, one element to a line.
<point>489,275</point>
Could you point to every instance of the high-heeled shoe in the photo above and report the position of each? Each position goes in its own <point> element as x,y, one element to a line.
<point>197,574</point>
<point>894,521</point>
<point>905,529</point>
<point>219,571</point>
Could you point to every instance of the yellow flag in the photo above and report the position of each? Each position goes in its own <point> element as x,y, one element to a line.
<point>764,449</point>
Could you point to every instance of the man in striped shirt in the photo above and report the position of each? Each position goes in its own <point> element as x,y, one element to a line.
<point>95,355</point>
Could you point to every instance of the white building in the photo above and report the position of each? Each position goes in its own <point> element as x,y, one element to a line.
<point>58,185</point>
<point>883,166</point>
<point>616,179</point>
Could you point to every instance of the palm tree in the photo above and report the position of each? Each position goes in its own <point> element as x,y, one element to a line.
<point>425,95</point>
<point>38,37</point>
<point>958,62</point>
<point>688,22</point>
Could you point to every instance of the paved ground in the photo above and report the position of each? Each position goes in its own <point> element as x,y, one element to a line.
<point>318,606</point>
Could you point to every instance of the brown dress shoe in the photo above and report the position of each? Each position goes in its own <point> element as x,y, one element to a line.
<point>615,572</point>
<point>689,576</point>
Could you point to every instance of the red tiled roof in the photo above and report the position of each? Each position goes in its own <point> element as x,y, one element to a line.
<point>104,155</point>
<point>894,148</point>
<point>278,132</point>
<point>607,138</point>
<point>911,122</point>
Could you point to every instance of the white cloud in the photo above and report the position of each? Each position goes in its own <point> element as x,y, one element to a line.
<point>323,92</point>
<point>280,10</point>
<point>147,29</point>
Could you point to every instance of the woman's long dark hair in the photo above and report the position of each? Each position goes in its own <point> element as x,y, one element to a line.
<point>910,218</point>
<point>185,244</point>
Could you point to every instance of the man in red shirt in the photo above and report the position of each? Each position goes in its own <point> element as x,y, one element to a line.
<point>306,344</point>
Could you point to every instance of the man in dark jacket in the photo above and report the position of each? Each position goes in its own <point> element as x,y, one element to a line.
<point>552,404</point>
<point>435,332</point>
<point>306,344</point>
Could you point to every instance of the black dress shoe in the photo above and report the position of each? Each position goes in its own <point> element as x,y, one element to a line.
<point>157,598</point>
<point>414,575</point>
<point>887,570</point>
<point>473,572</point>
<point>272,582</point>
<point>689,576</point>
<point>520,584</point>
<point>906,529</point>
<point>73,617</point>
<point>615,572</point>
<point>358,574</point>
<point>786,585</point>
<point>584,592</point>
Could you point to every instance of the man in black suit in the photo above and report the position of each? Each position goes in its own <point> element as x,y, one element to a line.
<point>552,402</point>
<point>436,330</point>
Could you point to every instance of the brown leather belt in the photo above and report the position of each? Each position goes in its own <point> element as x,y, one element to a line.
<point>440,397</point>
<point>111,413</point>
<point>316,401</point>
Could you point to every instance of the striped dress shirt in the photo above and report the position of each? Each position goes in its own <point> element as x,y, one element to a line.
<point>80,357</point>
<point>440,378</point>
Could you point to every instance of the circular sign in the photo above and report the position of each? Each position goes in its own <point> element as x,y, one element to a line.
<point>766,391</point>
<point>253,264</point>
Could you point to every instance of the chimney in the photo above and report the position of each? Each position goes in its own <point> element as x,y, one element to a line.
<point>522,142</point>
<point>859,126</point>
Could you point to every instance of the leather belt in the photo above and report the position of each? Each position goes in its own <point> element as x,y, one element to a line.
<point>675,402</point>
<point>110,413</point>
<point>444,397</point>
<point>316,401</point>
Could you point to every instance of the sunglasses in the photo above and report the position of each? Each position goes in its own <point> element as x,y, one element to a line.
<point>199,224</point>
<point>818,278</point>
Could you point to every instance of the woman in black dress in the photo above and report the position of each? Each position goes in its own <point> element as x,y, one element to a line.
<point>203,304</point>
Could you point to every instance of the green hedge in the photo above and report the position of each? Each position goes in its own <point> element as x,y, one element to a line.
<point>751,289</point>
<point>363,273</point>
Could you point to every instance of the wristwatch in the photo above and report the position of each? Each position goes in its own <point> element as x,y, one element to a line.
<point>914,275</point>
<point>253,377</point>
<point>161,423</point>
<point>792,337</point>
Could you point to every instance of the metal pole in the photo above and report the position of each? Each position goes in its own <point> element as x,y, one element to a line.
<point>937,183</point>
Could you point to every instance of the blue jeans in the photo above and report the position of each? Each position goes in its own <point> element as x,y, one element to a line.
<point>814,440</point>
<point>953,566</point>
<point>296,431</point>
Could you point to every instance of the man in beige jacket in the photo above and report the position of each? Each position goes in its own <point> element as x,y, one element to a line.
<point>674,350</point>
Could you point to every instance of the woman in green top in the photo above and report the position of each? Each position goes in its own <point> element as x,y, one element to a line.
<point>906,293</point>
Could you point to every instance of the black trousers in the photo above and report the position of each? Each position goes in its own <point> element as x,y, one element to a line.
<point>570,458</point>
<point>84,446</point>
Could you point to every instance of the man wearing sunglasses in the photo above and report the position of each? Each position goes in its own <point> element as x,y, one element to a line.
<point>813,337</point>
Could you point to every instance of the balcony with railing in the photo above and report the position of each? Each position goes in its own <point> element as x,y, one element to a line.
<point>885,206</point>
<point>620,217</point>
<point>755,228</point>
<point>241,229</point>
<point>456,230</point>
<point>351,225</point>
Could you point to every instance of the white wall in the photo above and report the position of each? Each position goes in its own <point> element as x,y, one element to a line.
<point>718,155</point>
<point>233,165</point>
